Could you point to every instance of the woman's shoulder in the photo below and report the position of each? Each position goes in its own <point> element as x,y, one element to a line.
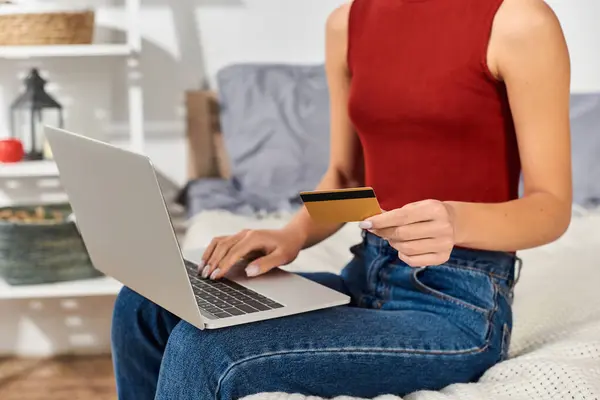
<point>520,27</point>
<point>517,19</point>
<point>337,22</point>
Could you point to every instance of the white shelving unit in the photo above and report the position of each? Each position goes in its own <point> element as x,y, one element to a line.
<point>93,50</point>
<point>103,286</point>
<point>14,175</point>
<point>31,169</point>
<point>129,50</point>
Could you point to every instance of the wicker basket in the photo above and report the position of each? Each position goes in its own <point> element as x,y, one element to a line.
<point>46,28</point>
<point>44,251</point>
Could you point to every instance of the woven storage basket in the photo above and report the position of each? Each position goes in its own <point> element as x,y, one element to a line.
<point>46,28</point>
<point>43,251</point>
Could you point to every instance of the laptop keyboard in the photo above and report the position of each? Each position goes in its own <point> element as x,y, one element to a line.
<point>225,298</point>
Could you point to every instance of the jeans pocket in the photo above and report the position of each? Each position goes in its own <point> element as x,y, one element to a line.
<point>358,250</point>
<point>466,288</point>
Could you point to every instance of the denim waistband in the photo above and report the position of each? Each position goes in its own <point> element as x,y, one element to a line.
<point>497,263</point>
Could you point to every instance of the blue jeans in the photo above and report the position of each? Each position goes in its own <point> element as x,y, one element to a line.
<point>407,329</point>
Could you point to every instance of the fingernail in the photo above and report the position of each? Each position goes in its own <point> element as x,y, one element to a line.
<point>252,270</point>
<point>365,225</point>
<point>206,271</point>
<point>215,273</point>
<point>200,266</point>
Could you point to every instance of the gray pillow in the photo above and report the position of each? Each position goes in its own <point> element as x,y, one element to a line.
<point>275,123</point>
<point>585,125</point>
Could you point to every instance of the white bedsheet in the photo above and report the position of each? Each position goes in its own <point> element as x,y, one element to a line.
<point>555,349</point>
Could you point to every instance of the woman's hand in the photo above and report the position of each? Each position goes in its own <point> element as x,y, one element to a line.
<point>422,232</point>
<point>273,248</point>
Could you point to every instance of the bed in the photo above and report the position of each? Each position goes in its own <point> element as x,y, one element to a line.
<point>555,347</point>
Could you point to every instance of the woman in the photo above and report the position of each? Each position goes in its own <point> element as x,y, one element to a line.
<point>441,104</point>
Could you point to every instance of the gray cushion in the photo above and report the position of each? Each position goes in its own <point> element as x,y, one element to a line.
<point>275,122</point>
<point>585,123</point>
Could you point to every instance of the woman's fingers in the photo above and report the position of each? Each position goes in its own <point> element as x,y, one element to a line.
<point>219,252</point>
<point>208,253</point>
<point>423,260</point>
<point>266,263</point>
<point>420,230</point>
<point>267,248</point>
<point>250,244</point>
<point>422,246</point>
<point>409,214</point>
<point>424,252</point>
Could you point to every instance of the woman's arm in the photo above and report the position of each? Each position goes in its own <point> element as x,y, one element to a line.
<point>280,247</point>
<point>528,52</point>
<point>345,166</point>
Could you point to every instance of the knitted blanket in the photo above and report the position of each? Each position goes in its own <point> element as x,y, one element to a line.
<point>555,348</point>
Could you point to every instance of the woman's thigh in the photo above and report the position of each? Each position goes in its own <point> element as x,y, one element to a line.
<point>337,351</point>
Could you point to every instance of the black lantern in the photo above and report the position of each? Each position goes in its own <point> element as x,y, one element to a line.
<point>33,109</point>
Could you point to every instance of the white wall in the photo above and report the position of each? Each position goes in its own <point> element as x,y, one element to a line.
<point>580,21</point>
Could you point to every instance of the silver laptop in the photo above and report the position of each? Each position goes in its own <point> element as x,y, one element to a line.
<point>126,227</point>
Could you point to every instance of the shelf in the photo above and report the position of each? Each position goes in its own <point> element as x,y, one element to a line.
<point>28,169</point>
<point>103,286</point>
<point>86,50</point>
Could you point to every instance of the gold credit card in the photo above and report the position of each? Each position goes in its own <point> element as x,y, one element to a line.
<point>342,205</point>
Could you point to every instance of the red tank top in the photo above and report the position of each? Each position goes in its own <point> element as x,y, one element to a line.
<point>433,121</point>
